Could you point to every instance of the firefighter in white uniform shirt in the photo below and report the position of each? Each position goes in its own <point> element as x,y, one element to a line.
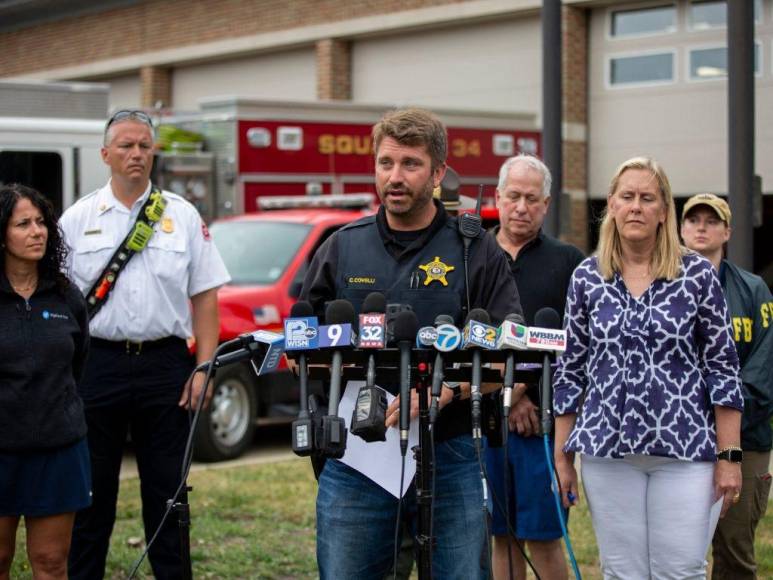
<point>135,377</point>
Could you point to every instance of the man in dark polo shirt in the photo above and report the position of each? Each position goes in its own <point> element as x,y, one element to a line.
<point>541,267</point>
<point>410,251</point>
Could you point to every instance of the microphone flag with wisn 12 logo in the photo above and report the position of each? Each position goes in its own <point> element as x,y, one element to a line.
<point>301,333</point>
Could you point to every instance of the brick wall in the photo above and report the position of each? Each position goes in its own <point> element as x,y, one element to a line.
<point>334,71</point>
<point>156,86</point>
<point>575,113</point>
<point>575,64</point>
<point>160,24</point>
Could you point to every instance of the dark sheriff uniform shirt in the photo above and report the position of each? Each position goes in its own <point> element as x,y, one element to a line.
<point>367,256</point>
<point>542,271</point>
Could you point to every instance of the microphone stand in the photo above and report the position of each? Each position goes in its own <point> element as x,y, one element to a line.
<point>184,523</point>
<point>356,368</point>
<point>181,506</point>
<point>425,456</point>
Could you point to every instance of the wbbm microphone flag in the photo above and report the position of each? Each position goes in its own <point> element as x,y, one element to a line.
<point>546,339</point>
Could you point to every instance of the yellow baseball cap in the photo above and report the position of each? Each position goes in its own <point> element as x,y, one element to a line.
<point>716,203</point>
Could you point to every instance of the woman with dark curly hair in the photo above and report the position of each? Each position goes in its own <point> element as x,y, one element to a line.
<point>44,459</point>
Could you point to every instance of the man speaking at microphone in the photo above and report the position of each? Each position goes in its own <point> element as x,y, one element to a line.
<point>412,252</point>
<point>542,267</point>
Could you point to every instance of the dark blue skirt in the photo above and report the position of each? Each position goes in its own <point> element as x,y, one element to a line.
<point>45,483</point>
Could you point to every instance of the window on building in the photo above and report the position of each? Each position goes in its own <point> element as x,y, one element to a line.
<point>706,14</point>
<point>643,21</point>
<point>711,63</point>
<point>645,68</point>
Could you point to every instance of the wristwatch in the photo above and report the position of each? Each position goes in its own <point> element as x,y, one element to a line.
<point>731,454</point>
<point>456,389</point>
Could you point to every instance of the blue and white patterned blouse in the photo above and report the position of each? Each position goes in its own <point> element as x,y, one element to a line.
<point>650,368</point>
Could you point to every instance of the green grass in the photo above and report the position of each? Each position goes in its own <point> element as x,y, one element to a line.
<point>258,522</point>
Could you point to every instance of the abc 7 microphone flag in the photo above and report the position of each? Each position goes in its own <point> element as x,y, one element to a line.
<point>449,338</point>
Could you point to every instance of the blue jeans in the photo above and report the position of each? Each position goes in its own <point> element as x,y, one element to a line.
<point>356,519</point>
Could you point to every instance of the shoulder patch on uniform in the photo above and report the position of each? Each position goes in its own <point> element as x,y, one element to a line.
<point>205,231</point>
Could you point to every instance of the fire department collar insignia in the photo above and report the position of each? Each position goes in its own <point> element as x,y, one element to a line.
<point>436,270</point>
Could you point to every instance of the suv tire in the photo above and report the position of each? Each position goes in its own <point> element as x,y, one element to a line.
<point>225,430</point>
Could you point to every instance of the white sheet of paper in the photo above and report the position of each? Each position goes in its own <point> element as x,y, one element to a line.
<point>379,461</point>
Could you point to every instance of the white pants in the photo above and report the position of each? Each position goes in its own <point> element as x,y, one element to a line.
<point>654,517</point>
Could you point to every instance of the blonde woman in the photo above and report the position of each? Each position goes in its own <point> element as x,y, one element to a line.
<point>648,391</point>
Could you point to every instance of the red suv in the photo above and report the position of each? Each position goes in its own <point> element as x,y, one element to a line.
<point>267,254</point>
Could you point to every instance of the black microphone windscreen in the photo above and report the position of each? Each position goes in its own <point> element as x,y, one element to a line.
<point>514,317</point>
<point>340,312</point>
<point>374,302</point>
<point>547,318</point>
<point>301,309</point>
<point>478,315</point>
<point>443,319</point>
<point>406,326</point>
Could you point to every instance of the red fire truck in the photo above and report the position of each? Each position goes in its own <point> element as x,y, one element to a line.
<point>253,149</point>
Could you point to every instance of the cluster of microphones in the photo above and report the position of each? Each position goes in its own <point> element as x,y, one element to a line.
<point>385,335</point>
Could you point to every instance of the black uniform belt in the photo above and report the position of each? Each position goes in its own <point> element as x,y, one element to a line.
<point>137,347</point>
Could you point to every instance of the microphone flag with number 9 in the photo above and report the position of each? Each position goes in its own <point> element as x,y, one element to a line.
<point>332,335</point>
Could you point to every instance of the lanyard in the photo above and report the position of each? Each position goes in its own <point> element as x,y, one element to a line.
<point>135,241</point>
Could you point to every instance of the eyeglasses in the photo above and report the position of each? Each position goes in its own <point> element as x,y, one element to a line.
<point>129,114</point>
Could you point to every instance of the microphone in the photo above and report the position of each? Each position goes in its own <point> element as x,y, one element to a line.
<point>541,336</point>
<point>301,334</point>
<point>446,339</point>
<point>548,331</point>
<point>369,412</point>
<point>405,329</point>
<point>426,336</point>
<point>263,344</point>
<point>337,334</point>
<point>478,333</point>
<point>372,330</point>
<point>511,335</point>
